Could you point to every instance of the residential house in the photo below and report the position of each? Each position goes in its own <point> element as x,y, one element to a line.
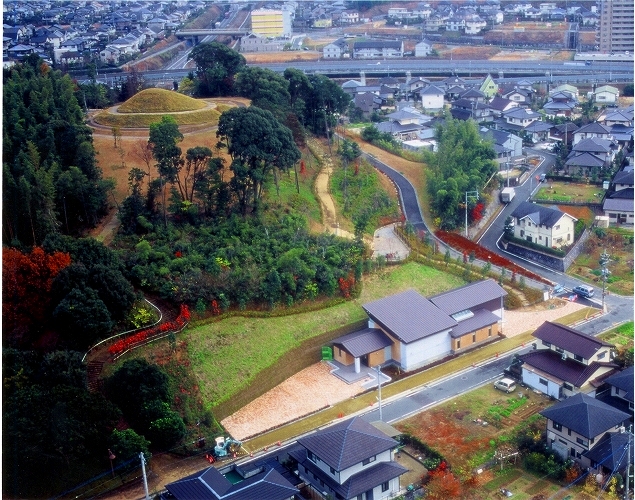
<point>593,129</point>
<point>472,94</point>
<point>432,97</point>
<point>403,125</point>
<point>465,109</point>
<point>620,390</point>
<point>455,23</point>
<point>349,17</point>
<point>622,117</point>
<point>609,455</point>
<point>423,48</point>
<point>618,203</point>
<point>434,23</point>
<point>247,482</point>
<point>544,226</point>
<point>257,43</point>
<point>566,361</point>
<point>499,105</point>
<point>474,24</point>
<point>569,89</point>
<point>336,49</point>
<point>411,331</point>
<point>367,102</point>
<point>349,460</point>
<point>506,144</point>
<point>577,424</point>
<point>488,86</point>
<point>563,132</point>
<point>537,131</point>
<point>560,104</point>
<point>414,84</point>
<point>606,94</point>
<point>377,48</point>
<point>519,95</point>
<point>518,118</point>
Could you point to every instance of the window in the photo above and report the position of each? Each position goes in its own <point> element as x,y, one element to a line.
<point>568,387</point>
<point>577,357</point>
<point>458,344</point>
<point>558,350</point>
<point>583,442</point>
<point>368,460</point>
<point>489,334</point>
<point>557,227</point>
<point>540,237</point>
<point>556,426</point>
<point>332,471</point>
<point>543,381</point>
<point>546,344</point>
<point>601,355</point>
<point>385,486</point>
<point>473,337</point>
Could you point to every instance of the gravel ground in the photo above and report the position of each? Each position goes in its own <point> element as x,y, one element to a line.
<point>315,387</point>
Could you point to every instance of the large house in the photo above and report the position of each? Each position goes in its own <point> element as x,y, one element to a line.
<point>371,49</point>
<point>565,361</point>
<point>618,204</point>
<point>260,481</point>
<point>411,331</point>
<point>578,424</point>
<point>545,226</point>
<point>349,460</point>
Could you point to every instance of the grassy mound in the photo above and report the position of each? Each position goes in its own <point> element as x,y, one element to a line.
<point>160,101</point>
<point>207,116</point>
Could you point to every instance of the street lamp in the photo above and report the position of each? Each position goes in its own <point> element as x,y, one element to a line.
<point>469,194</point>
<point>111,456</point>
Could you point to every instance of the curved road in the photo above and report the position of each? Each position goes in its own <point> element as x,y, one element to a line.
<point>619,309</point>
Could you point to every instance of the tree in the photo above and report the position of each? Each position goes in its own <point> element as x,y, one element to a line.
<point>127,444</point>
<point>266,89</point>
<point>324,100</point>
<point>136,384</point>
<point>259,145</point>
<point>216,67</point>
<point>196,161</point>
<point>349,150</point>
<point>26,282</point>
<point>164,137</point>
<point>82,317</point>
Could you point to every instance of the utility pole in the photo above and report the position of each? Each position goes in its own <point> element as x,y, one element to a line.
<point>379,388</point>
<point>604,260</point>
<point>628,463</point>
<point>470,194</point>
<point>145,478</point>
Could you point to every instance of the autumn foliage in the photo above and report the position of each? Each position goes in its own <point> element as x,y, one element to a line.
<point>26,282</point>
<point>139,338</point>
<point>442,484</point>
<point>460,243</point>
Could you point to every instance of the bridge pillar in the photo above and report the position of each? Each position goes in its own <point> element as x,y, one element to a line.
<point>195,40</point>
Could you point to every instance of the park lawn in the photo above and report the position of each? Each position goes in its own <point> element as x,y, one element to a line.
<point>227,355</point>
<point>568,192</point>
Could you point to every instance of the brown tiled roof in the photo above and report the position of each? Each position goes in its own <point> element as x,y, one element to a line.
<point>569,339</point>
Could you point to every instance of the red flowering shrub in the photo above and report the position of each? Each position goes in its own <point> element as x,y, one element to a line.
<point>140,337</point>
<point>346,284</point>
<point>476,214</point>
<point>462,244</point>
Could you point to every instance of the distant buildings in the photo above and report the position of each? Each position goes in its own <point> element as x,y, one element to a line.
<point>615,32</point>
<point>271,23</point>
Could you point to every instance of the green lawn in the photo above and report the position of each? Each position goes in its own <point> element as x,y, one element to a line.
<point>228,355</point>
<point>558,192</point>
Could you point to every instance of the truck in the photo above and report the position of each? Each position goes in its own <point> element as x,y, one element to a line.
<point>507,194</point>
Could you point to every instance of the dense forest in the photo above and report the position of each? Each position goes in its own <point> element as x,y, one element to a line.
<point>192,235</point>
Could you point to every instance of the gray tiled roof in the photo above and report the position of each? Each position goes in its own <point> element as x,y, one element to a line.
<point>619,204</point>
<point>610,451</point>
<point>584,160</point>
<point>481,319</point>
<point>468,296</point>
<point>623,381</point>
<point>211,484</point>
<point>624,177</point>
<point>569,339</point>
<point>540,215</point>
<point>585,415</point>
<point>408,316</point>
<point>364,341</point>
<point>347,443</point>
<point>593,128</point>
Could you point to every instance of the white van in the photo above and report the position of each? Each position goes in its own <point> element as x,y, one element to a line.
<point>505,385</point>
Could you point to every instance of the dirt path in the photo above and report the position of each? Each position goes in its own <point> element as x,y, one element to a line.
<point>327,205</point>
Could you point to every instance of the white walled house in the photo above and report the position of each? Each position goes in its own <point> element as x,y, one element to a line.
<point>543,226</point>
<point>606,94</point>
<point>432,97</point>
<point>349,460</point>
<point>566,361</point>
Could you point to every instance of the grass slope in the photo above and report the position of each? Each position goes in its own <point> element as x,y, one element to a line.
<point>160,101</point>
<point>227,356</point>
<point>143,120</point>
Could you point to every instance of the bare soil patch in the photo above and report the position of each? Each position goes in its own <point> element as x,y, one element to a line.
<point>310,390</point>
